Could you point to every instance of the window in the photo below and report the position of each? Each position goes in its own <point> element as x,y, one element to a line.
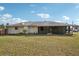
<point>16,28</point>
<point>41,28</point>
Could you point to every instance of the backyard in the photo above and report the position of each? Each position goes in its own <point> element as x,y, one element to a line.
<point>39,45</point>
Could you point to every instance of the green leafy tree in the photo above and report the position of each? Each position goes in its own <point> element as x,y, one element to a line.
<point>24,31</point>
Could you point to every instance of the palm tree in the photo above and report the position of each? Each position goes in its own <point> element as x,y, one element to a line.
<point>2,29</point>
<point>2,26</point>
<point>6,28</point>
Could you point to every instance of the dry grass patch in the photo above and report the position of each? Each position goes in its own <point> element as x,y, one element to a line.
<point>39,45</point>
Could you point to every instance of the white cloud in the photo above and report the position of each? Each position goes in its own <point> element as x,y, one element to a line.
<point>60,21</point>
<point>66,17</point>
<point>7,18</point>
<point>76,22</point>
<point>18,20</point>
<point>43,15</point>
<point>7,15</point>
<point>2,8</point>
<point>77,19</point>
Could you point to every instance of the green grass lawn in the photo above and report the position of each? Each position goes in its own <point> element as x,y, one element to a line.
<point>39,45</point>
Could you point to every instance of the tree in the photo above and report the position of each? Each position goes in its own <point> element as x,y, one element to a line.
<point>6,28</point>
<point>24,31</point>
<point>2,26</point>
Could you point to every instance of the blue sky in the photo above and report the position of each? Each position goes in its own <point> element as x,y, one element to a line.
<point>23,12</point>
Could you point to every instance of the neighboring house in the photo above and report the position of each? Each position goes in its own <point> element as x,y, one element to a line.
<point>76,28</point>
<point>45,27</point>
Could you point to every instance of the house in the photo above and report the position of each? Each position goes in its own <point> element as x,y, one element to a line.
<point>75,28</point>
<point>46,27</point>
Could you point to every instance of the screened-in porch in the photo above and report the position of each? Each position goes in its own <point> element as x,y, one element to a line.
<point>52,29</point>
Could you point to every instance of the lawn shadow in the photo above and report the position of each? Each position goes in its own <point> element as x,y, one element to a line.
<point>40,35</point>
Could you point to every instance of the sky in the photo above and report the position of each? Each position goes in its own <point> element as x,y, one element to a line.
<point>23,12</point>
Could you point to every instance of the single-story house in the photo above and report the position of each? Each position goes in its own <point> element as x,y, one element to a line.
<point>75,28</point>
<point>46,27</point>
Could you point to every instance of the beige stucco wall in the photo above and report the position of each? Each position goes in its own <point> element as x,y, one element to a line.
<point>13,31</point>
<point>32,29</point>
<point>20,30</point>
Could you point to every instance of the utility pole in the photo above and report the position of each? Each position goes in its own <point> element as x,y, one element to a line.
<point>72,26</point>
